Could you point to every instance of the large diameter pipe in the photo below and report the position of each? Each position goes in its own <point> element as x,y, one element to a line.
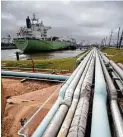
<point>79,122</point>
<point>117,118</point>
<point>100,123</point>
<point>117,69</point>
<point>68,119</point>
<point>44,124</point>
<point>34,75</point>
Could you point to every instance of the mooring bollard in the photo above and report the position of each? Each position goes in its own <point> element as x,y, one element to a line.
<point>17,55</point>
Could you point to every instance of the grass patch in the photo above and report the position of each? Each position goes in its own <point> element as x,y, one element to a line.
<point>55,64</point>
<point>114,54</point>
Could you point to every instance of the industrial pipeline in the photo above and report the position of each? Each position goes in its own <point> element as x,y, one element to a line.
<point>35,76</point>
<point>69,115</point>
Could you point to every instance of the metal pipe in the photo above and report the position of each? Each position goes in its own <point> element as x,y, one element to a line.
<point>44,124</point>
<point>118,82</point>
<point>111,87</point>
<point>56,122</point>
<point>78,125</point>
<point>100,123</point>
<point>68,119</point>
<point>34,75</point>
<point>38,79</point>
<point>106,60</point>
<point>117,69</point>
<point>120,65</point>
<point>117,118</point>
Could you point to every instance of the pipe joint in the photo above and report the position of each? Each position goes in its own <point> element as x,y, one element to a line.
<point>66,102</point>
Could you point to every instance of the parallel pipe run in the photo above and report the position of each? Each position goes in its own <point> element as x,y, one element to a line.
<point>120,65</point>
<point>78,126</point>
<point>100,123</point>
<point>68,119</point>
<point>117,69</point>
<point>111,87</point>
<point>34,75</point>
<point>43,125</point>
<point>56,122</point>
<point>117,118</point>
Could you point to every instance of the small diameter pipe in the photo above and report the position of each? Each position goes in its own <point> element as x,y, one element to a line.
<point>118,82</point>
<point>120,65</point>
<point>34,75</point>
<point>27,78</point>
<point>44,124</point>
<point>100,123</point>
<point>117,69</point>
<point>68,119</point>
<point>79,121</point>
<point>106,60</point>
<point>56,122</point>
<point>117,118</point>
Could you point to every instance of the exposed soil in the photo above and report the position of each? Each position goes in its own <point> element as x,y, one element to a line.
<point>23,99</point>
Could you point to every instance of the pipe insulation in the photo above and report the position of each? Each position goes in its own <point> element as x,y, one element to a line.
<point>117,69</point>
<point>44,124</point>
<point>34,75</point>
<point>117,118</point>
<point>68,119</point>
<point>100,123</point>
<point>79,121</point>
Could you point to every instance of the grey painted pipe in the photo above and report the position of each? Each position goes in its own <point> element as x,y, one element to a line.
<point>100,123</point>
<point>34,75</point>
<point>120,65</point>
<point>56,122</point>
<point>79,122</point>
<point>68,119</point>
<point>44,124</point>
<point>117,118</point>
<point>117,69</point>
<point>118,82</point>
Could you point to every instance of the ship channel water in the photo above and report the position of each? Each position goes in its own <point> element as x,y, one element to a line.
<point>10,54</point>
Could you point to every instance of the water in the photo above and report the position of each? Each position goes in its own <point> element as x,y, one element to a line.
<point>10,54</point>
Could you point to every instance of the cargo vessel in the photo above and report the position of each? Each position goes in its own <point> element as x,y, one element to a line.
<point>33,38</point>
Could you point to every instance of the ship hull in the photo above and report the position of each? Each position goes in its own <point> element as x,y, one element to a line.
<point>39,45</point>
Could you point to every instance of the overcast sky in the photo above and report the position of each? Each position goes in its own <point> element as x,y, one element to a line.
<point>89,21</point>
